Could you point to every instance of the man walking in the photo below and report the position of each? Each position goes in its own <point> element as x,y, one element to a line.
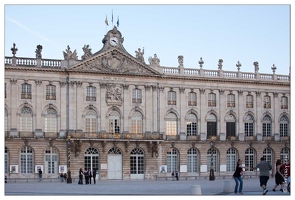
<point>264,168</point>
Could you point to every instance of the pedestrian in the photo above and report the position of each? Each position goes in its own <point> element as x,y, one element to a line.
<point>65,177</point>
<point>80,176</point>
<point>172,174</point>
<point>40,174</point>
<point>94,175</point>
<point>176,175</point>
<point>238,177</point>
<point>86,176</point>
<point>279,176</point>
<point>61,177</point>
<point>264,168</point>
<point>286,169</point>
<point>89,176</point>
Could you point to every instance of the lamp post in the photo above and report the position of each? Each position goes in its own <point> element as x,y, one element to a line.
<point>211,176</point>
<point>69,177</point>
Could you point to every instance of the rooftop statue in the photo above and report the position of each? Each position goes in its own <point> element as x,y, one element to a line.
<point>39,51</point>
<point>154,60</point>
<point>87,52</point>
<point>139,55</point>
<point>69,55</point>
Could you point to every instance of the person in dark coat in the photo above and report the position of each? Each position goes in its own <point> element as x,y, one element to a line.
<point>238,177</point>
<point>94,175</point>
<point>89,176</point>
<point>86,176</point>
<point>80,176</point>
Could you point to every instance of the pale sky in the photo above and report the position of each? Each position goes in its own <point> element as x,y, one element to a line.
<point>245,33</point>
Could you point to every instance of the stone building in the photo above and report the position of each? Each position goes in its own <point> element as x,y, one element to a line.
<point>132,120</point>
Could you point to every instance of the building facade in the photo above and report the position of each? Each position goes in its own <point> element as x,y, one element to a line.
<point>132,120</point>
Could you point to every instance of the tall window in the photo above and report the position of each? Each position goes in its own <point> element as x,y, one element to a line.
<point>192,160</point>
<point>230,125</point>
<point>191,125</point>
<point>51,160</point>
<point>249,101</point>
<point>284,126</point>
<point>249,125</point>
<point>26,160</point>
<point>91,159</point>
<point>266,126</point>
<point>26,120</point>
<point>212,99</point>
<point>171,124</point>
<point>231,160</point>
<point>230,100</point>
<point>212,159</point>
<point>284,102</point>
<point>267,102</point>
<point>249,158</point>
<point>50,92</point>
<point>114,122</point>
<point>91,93</point>
<point>51,120</point>
<point>91,121</point>
<point>211,125</point>
<point>267,154</point>
<point>26,91</point>
<point>172,160</point>
<point>137,161</point>
<point>192,99</point>
<point>136,95</point>
<point>171,98</point>
<point>136,123</point>
<point>284,154</point>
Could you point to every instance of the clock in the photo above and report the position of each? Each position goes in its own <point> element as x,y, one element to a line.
<point>114,41</point>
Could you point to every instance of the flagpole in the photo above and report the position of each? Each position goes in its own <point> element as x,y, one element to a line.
<point>112,18</point>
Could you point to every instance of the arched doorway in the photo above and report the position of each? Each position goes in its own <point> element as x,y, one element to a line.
<point>115,163</point>
<point>137,164</point>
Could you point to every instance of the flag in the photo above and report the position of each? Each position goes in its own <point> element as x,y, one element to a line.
<point>112,17</point>
<point>106,21</point>
<point>118,22</point>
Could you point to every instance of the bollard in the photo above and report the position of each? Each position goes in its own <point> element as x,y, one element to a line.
<point>227,186</point>
<point>196,190</point>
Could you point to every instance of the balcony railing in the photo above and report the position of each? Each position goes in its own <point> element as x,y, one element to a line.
<point>128,136</point>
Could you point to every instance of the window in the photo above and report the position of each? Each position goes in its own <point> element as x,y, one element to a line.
<point>231,160</point>
<point>172,160</point>
<point>192,99</point>
<point>136,123</point>
<point>211,125</point>
<point>91,121</point>
<point>26,120</point>
<point>26,91</point>
<point>212,159</point>
<point>91,159</point>
<point>91,93</point>
<point>212,100</point>
<point>249,158</point>
<point>136,96</point>
<point>50,92</point>
<point>26,160</point>
<point>230,100</point>
<point>191,125</point>
<point>192,160</point>
<point>267,155</point>
<point>171,98</point>
<point>51,120</point>
<point>114,122</point>
<point>284,126</point>
<point>137,161</point>
<point>266,126</point>
<point>249,101</point>
<point>267,102</point>
<point>51,161</point>
<point>171,124</point>
<point>230,125</point>
<point>284,154</point>
<point>284,102</point>
<point>249,125</point>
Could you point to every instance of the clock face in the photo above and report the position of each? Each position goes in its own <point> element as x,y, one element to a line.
<point>114,41</point>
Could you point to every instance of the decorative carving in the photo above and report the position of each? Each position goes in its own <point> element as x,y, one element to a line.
<point>14,49</point>
<point>155,60</point>
<point>258,93</point>
<point>147,87</point>
<point>62,83</point>
<point>69,55</point>
<point>181,89</point>
<point>202,90</point>
<point>125,86</point>
<point>275,94</point>
<point>256,66</point>
<point>201,62</point>
<point>113,93</point>
<point>39,51</point>
<point>221,91</point>
<point>79,83</point>
<point>180,61</point>
<point>38,82</point>
<point>87,52</point>
<point>240,92</point>
<point>13,81</point>
<point>220,61</point>
<point>139,55</point>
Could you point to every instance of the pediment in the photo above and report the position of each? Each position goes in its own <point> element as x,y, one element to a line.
<point>114,61</point>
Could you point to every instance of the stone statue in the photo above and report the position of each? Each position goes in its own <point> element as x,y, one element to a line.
<point>155,60</point>
<point>87,52</point>
<point>69,55</point>
<point>256,66</point>
<point>220,61</point>
<point>39,51</point>
<point>180,61</point>
<point>14,49</point>
<point>139,55</point>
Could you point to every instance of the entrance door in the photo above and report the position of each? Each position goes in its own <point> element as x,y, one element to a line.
<point>114,164</point>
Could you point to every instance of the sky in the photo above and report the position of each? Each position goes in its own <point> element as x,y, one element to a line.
<point>232,32</point>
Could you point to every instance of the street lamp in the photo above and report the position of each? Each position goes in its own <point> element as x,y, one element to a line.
<point>211,176</point>
<point>69,179</point>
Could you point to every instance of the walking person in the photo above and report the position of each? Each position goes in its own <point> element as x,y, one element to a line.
<point>286,171</point>
<point>94,175</point>
<point>264,168</point>
<point>80,176</point>
<point>176,175</point>
<point>89,176</point>
<point>86,176</point>
<point>238,177</point>
<point>40,174</point>
<point>279,176</point>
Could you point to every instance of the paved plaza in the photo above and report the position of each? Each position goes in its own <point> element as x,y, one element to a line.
<point>135,187</point>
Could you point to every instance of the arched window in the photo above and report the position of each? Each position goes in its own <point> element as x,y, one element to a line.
<point>284,126</point>
<point>284,154</point>
<point>172,160</point>
<point>231,160</point>
<point>51,120</point>
<point>249,125</point>
<point>91,121</point>
<point>192,125</point>
<point>51,160</point>
<point>171,124</point>
<point>137,161</point>
<point>26,160</point>
<point>267,154</point>
<point>114,122</point>
<point>212,159</point>
<point>136,123</point>
<point>91,159</point>
<point>26,120</point>
<point>266,126</point>
<point>192,160</point>
<point>249,158</point>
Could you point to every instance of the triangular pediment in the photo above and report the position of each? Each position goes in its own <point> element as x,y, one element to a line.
<point>114,61</point>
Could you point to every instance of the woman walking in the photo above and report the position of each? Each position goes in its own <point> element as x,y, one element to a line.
<point>238,177</point>
<point>279,177</point>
